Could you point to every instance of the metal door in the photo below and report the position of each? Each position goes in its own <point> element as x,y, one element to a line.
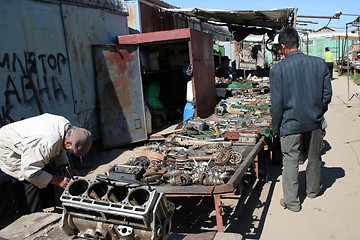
<point>201,57</point>
<point>120,94</point>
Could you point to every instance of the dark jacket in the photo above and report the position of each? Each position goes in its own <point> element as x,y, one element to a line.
<point>300,91</point>
<point>222,71</point>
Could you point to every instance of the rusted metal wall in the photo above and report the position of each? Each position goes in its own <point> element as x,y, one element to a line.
<point>133,17</point>
<point>153,20</point>
<point>122,107</point>
<point>202,59</point>
<point>145,16</point>
<point>45,56</point>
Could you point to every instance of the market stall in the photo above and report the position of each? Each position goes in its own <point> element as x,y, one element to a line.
<point>209,157</point>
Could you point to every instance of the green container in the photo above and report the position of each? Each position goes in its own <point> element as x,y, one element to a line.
<point>151,95</point>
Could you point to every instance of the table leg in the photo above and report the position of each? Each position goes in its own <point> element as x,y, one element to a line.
<point>256,166</point>
<point>219,219</point>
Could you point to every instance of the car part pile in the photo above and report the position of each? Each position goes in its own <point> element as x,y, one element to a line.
<point>171,163</point>
<point>106,208</point>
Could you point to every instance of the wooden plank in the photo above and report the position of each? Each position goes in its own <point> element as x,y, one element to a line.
<point>193,236</point>
<point>160,36</point>
<point>28,225</point>
<point>161,135</point>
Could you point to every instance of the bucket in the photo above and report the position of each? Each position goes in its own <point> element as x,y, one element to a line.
<point>188,111</point>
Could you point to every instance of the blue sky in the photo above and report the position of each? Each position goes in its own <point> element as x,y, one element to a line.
<point>305,8</point>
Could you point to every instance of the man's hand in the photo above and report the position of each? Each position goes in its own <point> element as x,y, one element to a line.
<point>60,181</point>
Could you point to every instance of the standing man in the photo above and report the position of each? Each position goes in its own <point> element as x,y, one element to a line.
<point>30,145</point>
<point>330,60</point>
<point>300,92</point>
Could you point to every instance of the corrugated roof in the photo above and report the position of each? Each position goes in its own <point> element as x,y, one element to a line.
<point>274,19</point>
<point>113,5</point>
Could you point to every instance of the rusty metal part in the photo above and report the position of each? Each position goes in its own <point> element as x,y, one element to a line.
<point>155,167</point>
<point>212,178</point>
<point>206,181</point>
<point>196,124</point>
<point>179,160</point>
<point>153,179</point>
<point>127,169</point>
<point>177,153</point>
<point>141,161</point>
<point>222,158</point>
<point>202,142</point>
<point>126,172</point>
<point>206,162</point>
<point>216,147</point>
<point>228,135</point>
<point>183,179</point>
<point>154,155</point>
<point>198,176</point>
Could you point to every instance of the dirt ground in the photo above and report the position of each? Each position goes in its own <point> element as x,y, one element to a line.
<point>335,213</point>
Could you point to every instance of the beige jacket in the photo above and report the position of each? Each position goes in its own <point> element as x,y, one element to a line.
<point>27,145</point>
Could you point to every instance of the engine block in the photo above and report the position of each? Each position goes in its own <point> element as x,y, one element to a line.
<point>113,210</point>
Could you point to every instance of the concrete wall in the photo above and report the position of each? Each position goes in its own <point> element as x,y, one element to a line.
<point>46,62</point>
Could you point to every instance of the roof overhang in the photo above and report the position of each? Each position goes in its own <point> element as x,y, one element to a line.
<point>274,18</point>
<point>251,21</point>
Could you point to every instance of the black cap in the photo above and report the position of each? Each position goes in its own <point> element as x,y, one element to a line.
<point>223,58</point>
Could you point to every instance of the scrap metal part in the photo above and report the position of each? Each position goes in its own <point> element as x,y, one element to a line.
<point>96,209</point>
<point>208,164</point>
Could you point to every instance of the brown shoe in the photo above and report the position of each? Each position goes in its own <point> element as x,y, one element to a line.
<point>282,203</point>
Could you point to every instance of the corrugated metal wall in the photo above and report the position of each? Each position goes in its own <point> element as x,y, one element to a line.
<point>316,46</point>
<point>45,56</point>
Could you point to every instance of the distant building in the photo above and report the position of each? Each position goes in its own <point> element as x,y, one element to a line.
<point>314,43</point>
<point>325,29</point>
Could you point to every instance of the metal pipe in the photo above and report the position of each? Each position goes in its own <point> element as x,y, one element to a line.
<point>327,17</point>
<point>69,172</point>
<point>347,60</point>
<point>307,43</point>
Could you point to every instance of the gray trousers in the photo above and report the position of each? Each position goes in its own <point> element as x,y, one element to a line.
<point>292,147</point>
